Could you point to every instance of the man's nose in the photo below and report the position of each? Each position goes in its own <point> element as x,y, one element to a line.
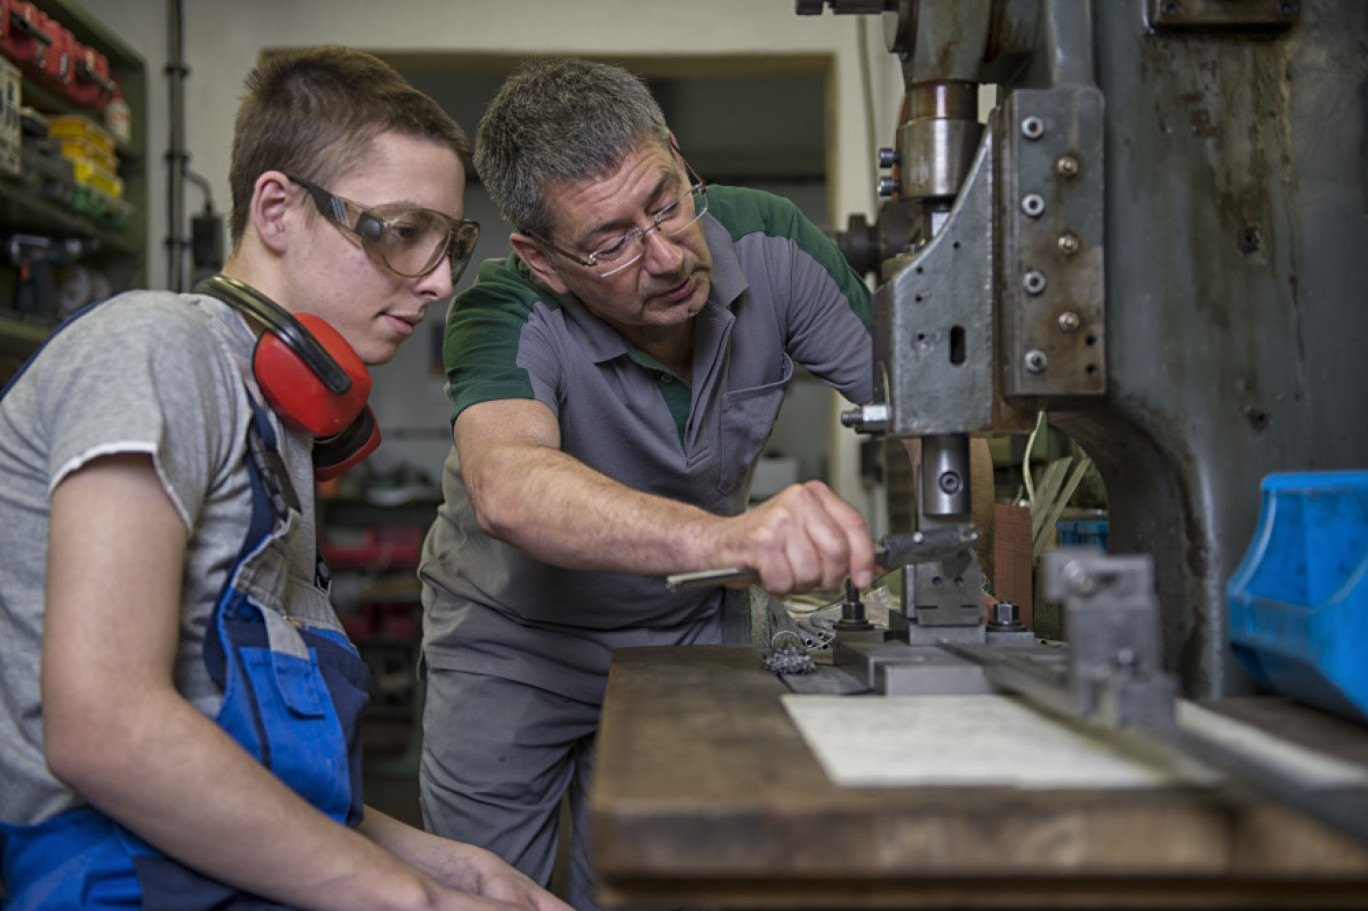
<point>663,251</point>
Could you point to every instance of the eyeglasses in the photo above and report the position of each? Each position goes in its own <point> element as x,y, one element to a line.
<point>670,220</point>
<point>411,242</point>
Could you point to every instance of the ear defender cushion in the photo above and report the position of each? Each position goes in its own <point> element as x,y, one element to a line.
<point>334,455</point>
<point>295,390</point>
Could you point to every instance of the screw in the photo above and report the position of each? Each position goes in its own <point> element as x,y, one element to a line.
<point>887,186</point>
<point>950,483</point>
<point>1034,282</point>
<point>1069,244</point>
<point>1033,205</point>
<point>1032,127</point>
<point>1066,166</point>
<point>1036,361</point>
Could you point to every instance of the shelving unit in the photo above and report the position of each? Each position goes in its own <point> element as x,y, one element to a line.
<point>120,254</point>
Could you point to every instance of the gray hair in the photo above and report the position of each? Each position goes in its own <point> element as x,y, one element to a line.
<point>560,120</point>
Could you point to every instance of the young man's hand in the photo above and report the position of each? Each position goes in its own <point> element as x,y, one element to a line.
<point>476,871</point>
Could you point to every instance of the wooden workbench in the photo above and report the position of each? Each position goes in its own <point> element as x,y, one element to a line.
<point>705,794</point>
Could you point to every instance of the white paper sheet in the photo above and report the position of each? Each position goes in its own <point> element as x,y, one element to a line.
<point>994,740</point>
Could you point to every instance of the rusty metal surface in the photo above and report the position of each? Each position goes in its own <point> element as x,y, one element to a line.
<point>1236,231</point>
<point>1223,14</point>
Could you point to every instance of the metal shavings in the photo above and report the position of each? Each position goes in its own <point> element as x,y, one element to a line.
<point>790,659</point>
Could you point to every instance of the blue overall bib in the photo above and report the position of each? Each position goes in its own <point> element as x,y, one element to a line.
<point>292,697</point>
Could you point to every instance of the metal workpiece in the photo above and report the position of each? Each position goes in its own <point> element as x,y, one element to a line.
<point>895,669</point>
<point>940,596</point>
<point>1053,250</point>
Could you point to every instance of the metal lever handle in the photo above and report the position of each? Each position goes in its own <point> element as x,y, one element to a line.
<point>706,578</point>
<point>893,550</point>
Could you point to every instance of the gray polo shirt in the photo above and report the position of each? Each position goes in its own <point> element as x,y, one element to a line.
<point>781,293</point>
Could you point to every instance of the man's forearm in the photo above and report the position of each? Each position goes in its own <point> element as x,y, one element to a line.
<point>558,510</point>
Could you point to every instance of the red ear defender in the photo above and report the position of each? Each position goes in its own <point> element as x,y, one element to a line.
<point>309,375</point>
<point>334,455</point>
<point>297,393</point>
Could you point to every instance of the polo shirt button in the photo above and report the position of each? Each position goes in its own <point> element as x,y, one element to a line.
<point>666,378</point>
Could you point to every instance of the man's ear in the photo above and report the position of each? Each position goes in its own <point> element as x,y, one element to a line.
<point>272,195</point>
<point>538,260</point>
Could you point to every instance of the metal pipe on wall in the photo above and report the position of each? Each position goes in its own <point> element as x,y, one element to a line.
<point>176,71</point>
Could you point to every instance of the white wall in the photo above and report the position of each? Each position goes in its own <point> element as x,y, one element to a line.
<point>223,41</point>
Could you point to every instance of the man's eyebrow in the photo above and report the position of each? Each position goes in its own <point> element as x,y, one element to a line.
<point>668,176</point>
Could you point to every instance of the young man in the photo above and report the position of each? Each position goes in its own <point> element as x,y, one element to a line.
<point>613,382</point>
<point>179,703</point>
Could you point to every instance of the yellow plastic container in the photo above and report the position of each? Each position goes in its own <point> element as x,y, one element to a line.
<point>74,126</point>
<point>85,149</point>
<point>89,173</point>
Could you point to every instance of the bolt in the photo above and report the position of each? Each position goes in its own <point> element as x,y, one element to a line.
<point>1033,205</point>
<point>887,186</point>
<point>1069,244</point>
<point>1034,282</point>
<point>888,158</point>
<point>1068,321</point>
<point>1172,7</point>
<point>1005,615</point>
<point>1032,127</point>
<point>1066,166</point>
<point>1036,361</point>
<point>1081,582</point>
<point>950,483</point>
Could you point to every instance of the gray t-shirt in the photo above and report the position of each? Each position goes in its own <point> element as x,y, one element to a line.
<point>781,293</point>
<point>146,372</point>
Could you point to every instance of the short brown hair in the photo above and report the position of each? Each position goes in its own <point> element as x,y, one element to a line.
<point>314,113</point>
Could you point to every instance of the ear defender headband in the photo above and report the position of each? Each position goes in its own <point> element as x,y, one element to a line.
<point>309,374</point>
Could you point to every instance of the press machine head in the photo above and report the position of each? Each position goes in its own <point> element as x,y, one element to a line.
<point>1160,237</point>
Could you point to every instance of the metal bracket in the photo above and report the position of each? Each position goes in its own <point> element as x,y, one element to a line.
<point>1053,279</point>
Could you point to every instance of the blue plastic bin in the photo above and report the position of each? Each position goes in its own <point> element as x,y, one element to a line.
<point>1298,604</point>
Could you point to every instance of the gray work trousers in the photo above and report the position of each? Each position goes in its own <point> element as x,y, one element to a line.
<point>498,757</point>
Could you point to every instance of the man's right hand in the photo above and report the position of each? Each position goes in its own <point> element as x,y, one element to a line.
<point>802,538</point>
